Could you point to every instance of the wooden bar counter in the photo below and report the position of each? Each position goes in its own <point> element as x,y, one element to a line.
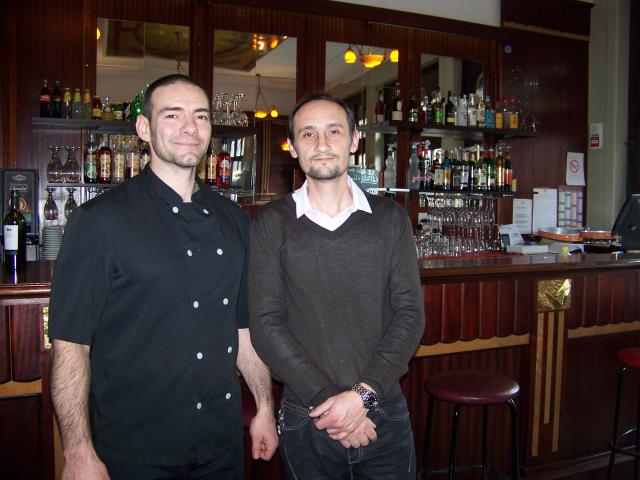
<point>552,323</point>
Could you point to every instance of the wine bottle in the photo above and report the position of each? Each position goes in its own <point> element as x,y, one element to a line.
<point>14,235</point>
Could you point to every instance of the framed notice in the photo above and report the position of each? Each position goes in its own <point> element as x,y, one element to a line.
<point>26,182</point>
<point>365,178</point>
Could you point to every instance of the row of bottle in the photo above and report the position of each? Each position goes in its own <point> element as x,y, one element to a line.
<point>473,110</point>
<point>59,104</point>
<point>460,169</point>
<point>114,158</point>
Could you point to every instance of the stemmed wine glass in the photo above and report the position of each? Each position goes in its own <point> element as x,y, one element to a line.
<point>71,169</point>
<point>70,204</point>
<point>50,207</point>
<point>54,167</point>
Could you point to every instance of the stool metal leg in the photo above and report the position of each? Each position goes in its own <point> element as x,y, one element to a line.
<point>514,439</point>
<point>616,418</point>
<point>427,437</point>
<point>485,453</point>
<point>454,442</point>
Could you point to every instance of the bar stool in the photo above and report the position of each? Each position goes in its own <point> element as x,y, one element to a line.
<point>629,358</point>
<point>472,388</point>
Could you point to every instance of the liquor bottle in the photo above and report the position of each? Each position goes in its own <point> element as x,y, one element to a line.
<point>461,112</point>
<point>498,115</point>
<point>413,174</point>
<point>513,118</point>
<point>210,168</point>
<point>56,101</point>
<point>438,177</point>
<point>91,160</point>
<point>412,108</point>
<point>426,180</point>
<point>508,169</point>
<point>86,104</point>
<point>136,105</point>
<point>422,167</point>
<point>472,111</point>
<point>145,155</point>
<point>427,108</point>
<point>489,114</point>
<point>380,107</point>
<point>107,109</point>
<point>446,172</point>
<point>14,235</point>
<point>67,102</point>
<point>132,158</point>
<point>119,163</point>
<point>438,108</point>
<point>118,111</point>
<point>481,111</point>
<point>465,171</point>
<point>396,104</point>
<point>96,109</point>
<point>481,169</point>
<point>499,169</point>
<point>389,176</point>
<point>450,110</point>
<point>456,170</point>
<point>76,105</point>
<point>506,113</point>
<point>473,169</point>
<point>45,100</point>
<point>223,162</point>
<point>490,169</point>
<point>104,161</point>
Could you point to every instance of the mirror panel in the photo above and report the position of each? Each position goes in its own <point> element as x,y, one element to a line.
<point>132,54</point>
<point>244,61</point>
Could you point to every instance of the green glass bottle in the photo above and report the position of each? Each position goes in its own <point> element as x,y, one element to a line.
<point>14,235</point>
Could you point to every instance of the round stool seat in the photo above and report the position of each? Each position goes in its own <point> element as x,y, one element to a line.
<point>472,388</point>
<point>630,357</point>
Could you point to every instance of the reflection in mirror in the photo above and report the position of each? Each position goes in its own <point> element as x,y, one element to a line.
<point>132,54</point>
<point>459,84</point>
<point>262,66</point>
<point>360,87</point>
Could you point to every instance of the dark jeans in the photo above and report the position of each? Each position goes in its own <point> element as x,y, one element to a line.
<point>229,466</point>
<point>309,453</point>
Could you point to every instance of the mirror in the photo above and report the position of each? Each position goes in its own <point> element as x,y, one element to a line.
<point>132,54</point>
<point>359,84</point>
<point>262,66</point>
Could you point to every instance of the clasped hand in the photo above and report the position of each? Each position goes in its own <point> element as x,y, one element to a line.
<point>345,419</point>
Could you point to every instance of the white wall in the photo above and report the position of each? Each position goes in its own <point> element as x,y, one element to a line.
<point>608,98</point>
<point>486,12</point>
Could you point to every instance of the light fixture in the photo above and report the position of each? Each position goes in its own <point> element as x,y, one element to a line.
<point>284,145</point>
<point>349,55</point>
<point>98,33</point>
<point>369,58</point>
<point>264,111</point>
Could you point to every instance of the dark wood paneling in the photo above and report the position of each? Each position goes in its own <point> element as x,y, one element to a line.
<point>570,16</point>
<point>452,317</point>
<point>470,300</point>
<point>433,314</point>
<point>26,333</point>
<point>488,309</point>
<point>20,445</point>
<point>5,346</point>
<point>177,12</point>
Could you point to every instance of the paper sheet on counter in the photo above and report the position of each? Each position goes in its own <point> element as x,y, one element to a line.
<point>521,217</point>
<point>545,208</point>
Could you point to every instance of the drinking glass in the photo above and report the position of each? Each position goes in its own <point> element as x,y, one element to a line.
<point>50,207</point>
<point>54,167</point>
<point>70,204</point>
<point>71,170</point>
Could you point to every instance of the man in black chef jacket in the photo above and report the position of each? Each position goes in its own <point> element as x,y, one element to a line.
<point>149,317</point>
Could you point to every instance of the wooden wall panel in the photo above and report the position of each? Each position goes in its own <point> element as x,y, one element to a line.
<point>488,309</point>
<point>5,346</point>
<point>632,299</point>
<point>20,445</point>
<point>160,11</point>
<point>433,314</point>
<point>470,312</point>
<point>524,298</point>
<point>569,16</point>
<point>26,339</point>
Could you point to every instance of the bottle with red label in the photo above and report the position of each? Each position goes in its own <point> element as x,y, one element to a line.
<point>223,162</point>
<point>211,168</point>
<point>45,100</point>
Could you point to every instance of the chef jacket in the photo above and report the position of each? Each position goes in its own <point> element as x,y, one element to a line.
<point>156,287</point>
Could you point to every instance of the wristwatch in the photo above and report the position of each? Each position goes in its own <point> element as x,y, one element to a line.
<point>369,397</point>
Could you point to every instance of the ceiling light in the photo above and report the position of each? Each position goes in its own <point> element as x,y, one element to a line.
<point>262,111</point>
<point>349,55</point>
<point>98,34</point>
<point>273,112</point>
<point>393,56</point>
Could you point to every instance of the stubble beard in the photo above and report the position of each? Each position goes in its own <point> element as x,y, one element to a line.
<point>323,174</point>
<point>166,155</point>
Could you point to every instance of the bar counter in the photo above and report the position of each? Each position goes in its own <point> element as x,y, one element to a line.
<point>551,322</point>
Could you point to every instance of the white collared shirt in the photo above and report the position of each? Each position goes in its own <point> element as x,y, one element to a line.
<point>303,206</point>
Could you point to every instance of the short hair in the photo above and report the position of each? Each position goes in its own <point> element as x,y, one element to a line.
<point>147,105</point>
<point>326,97</point>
